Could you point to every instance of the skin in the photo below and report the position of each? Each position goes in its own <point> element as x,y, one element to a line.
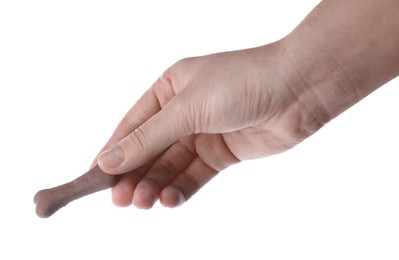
<point>206,113</point>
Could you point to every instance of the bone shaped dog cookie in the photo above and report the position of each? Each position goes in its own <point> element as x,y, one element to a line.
<point>48,201</point>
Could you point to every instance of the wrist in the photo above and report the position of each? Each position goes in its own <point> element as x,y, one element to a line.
<point>338,55</point>
<point>312,86</point>
<point>314,76</point>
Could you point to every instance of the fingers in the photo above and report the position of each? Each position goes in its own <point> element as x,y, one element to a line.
<point>194,177</point>
<point>150,139</point>
<point>179,173</point>
<point>162,172</point>
<point>122,191</point>
<point>213,156</point>
<point>173,182</point>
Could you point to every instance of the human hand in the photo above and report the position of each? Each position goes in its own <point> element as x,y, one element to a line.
<point>201,116</point>
<point>207,113</point>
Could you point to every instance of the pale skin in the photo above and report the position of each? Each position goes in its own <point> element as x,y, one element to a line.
<point>207,113</point>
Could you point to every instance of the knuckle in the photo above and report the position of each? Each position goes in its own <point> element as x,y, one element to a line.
<point>139,141</point>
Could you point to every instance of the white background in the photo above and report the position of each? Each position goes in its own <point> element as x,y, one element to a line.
<point>69,70</point>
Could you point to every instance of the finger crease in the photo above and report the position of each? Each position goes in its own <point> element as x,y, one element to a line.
<point>215,171</point>
<point>185,146</point>
<point>229,150</point>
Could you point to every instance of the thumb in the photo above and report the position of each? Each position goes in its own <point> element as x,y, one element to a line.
<point>147,141</point>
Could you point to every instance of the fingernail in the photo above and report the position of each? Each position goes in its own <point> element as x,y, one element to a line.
<point>181,200</point>
<point>112,157</point>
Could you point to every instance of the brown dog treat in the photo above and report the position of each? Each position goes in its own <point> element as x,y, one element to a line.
<point>50,200</point>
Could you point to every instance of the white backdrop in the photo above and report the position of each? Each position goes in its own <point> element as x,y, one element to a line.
<point>69,70</point>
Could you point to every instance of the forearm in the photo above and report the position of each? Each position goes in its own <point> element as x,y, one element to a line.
<point>340,53</point>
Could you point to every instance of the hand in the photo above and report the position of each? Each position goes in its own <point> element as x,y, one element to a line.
<point>207,113</point>
<point>201,116</point>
